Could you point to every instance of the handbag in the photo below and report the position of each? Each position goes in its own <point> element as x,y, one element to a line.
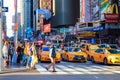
<point>35,59</point>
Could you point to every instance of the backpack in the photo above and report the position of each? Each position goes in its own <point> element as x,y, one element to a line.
<point>53,55</point>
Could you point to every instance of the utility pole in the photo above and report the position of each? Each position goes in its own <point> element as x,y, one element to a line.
<point>16,24</point>
<point>15,30</point>
<point>1,59</point>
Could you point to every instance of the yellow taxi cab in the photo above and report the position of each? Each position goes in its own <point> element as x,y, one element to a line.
<point>106,56</point>
<point>74,54</point>
<point>89,49</point>
<point>44,54</point>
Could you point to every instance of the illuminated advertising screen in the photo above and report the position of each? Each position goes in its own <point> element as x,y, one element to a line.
<point>47,28</point>
<point>103,5</point>
<point>82,11</point>
<point>45,4</point>
<point>95,10</point>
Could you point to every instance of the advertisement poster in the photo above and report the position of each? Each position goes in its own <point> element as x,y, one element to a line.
<point>82,11</point>
<point>47,28</point>
<point>103,5</point>
<point>95,10</point>
<point>46,6</point>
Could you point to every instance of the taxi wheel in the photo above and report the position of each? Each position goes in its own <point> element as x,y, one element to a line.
<point>105,61</point>
<point>92,59</point>
<point>67,59</point>
<point>62,57</point>
<point>88,58</point>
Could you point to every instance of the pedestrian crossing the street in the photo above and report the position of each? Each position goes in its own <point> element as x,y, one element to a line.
<point>80,69</point>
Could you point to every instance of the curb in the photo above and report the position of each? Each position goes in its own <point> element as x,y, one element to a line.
<point>13,70</point>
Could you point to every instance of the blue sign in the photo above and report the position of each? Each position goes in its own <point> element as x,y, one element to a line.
<point>5,9</point>
<point>98,28</point>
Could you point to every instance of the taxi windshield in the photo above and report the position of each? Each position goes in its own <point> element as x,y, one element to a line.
<point>76,49</point>
<point>114,51</point>
<point>93,47</point>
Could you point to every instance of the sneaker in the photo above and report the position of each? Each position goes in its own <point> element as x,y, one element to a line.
<point>54,71</point>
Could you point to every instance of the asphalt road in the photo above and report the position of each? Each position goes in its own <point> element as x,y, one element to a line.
<point>68,71</point>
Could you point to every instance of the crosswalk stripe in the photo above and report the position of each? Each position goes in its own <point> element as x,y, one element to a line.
<point>69,69</point>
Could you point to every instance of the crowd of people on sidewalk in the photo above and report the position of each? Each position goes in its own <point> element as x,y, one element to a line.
<point>24,54</point>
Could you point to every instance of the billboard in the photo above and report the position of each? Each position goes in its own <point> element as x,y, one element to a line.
<point>46,6</point>
<point>103,5</point>
<point>95,10</point>
<point>47,28</point>
<point>82,11</point>
<point>112,16</point>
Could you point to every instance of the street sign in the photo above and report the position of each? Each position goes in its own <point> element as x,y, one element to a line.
<point>4,9</point>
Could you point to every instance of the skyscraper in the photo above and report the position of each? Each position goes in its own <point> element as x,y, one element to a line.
<point>22,17</point>
<point>35,7</point>
<point>27,13</point>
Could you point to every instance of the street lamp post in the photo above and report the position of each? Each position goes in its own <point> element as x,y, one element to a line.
<point>16,24</point>
<point>1,59</point>
<point>15,32</point>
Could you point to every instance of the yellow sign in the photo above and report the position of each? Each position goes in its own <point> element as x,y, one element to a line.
<point>87,34</point>
<point>53,6</point>
<point>112,8</point>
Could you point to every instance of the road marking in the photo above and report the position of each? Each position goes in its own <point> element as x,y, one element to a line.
<point>69,69</point>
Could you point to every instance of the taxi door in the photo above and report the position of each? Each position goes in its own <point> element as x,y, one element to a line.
<point>97,55</point>
<point>101,55</point>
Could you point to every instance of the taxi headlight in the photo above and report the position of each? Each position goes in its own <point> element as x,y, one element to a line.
<point>58,54</point>
<point>110,57</point>
<point>85,55</point>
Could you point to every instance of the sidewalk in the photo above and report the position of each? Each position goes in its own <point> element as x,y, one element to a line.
<point>13,69</point>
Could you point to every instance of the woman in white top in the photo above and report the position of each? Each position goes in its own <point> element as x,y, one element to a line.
<point>5,53</point>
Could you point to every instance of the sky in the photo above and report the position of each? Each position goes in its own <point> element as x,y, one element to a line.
<point>9,14</point>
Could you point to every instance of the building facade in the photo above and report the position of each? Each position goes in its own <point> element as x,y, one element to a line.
<point>27,14</point>
<point>22,17</point>
<point>35,7</point>
<point>107,30</point>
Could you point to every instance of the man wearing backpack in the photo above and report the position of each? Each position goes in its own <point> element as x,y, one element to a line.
<point>52,56</point>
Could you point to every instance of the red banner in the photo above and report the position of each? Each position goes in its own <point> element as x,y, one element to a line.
<point>47,28</point>
<point>111,18</point>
